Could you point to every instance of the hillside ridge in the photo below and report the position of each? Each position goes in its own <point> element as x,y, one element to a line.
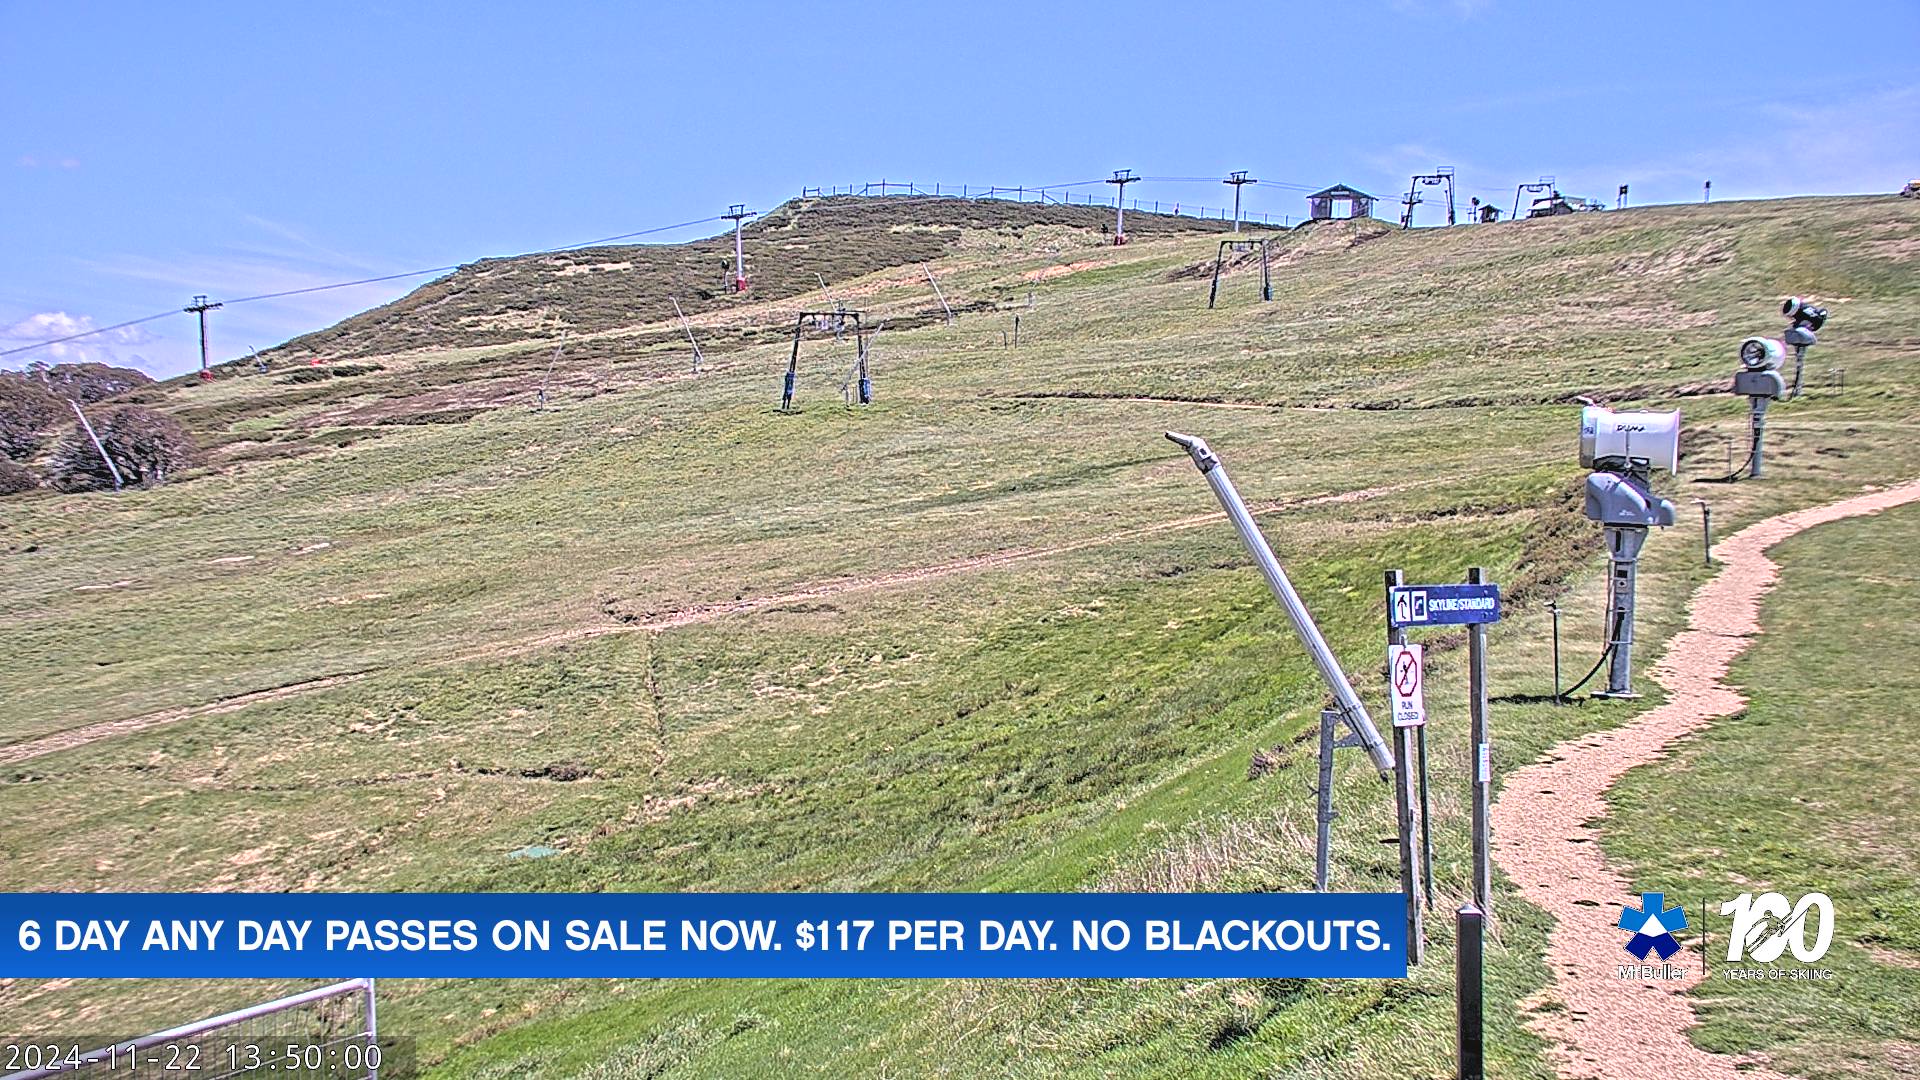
<point>789,250</point>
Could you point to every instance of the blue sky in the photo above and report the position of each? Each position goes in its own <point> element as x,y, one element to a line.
<point>150,152</point>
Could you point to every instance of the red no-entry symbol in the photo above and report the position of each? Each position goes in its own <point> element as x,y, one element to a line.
<point>1406,674</point>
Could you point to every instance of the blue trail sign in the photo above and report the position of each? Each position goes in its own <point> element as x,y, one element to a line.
<point>1442,605</point>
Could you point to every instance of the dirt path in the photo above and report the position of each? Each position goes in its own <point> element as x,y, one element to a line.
<point>13,753</point>
<point>1198,403</point>
<point>841,586</point>
<point>71,738</point>
<point>1543,834</point>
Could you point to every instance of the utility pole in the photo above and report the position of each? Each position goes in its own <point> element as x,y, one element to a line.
<point>739,213</point>
<point>1121,178</point>
<point>200,307</point>
<point>1238,178</point>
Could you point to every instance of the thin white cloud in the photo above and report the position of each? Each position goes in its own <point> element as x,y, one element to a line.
<point>250,272</point>
<point>1857,143</point>
<point>1462,9</point>
<point>106,347</point>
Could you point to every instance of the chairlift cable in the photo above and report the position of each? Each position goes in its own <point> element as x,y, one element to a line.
<point>350,284</point>
<point>88,333</point>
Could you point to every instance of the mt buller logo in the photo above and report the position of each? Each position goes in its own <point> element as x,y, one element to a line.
<point>1653,927</point>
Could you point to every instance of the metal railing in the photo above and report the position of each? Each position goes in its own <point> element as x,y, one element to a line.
<point>1057,194</point>
<point>212,1043</point>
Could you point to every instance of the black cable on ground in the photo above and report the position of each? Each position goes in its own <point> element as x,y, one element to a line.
<point>1604,653</point>
<point>1733,476</point>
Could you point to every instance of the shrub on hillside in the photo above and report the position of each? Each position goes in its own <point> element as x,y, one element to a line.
<point>27,413</point>
<point>88,383</point>
<point>15,477</point>
<point>329,371</point>
<point>148,446</point>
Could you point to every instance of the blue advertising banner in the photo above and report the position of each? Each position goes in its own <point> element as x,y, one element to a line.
<point>1442,605</point>
<point>702,935</point>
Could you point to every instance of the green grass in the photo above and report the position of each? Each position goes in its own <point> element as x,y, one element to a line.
<point>1082,709</point>
<point>1810,790</point>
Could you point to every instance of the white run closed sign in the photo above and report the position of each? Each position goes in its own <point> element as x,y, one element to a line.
<point>1406,679</point>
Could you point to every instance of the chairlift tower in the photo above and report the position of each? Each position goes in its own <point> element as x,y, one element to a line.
<point>1219,259</point>
<point>1545,184</point>
<point>738,212</point>
<point>1238,178</point>
<point>860,375</point>
<point>200,307</point>
<point>1121,178</point>
<point>1436,178</point>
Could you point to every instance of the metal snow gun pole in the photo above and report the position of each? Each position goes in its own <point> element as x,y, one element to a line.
<point>1807,318</point>
<point>1623,449</point>
<point>1346,702</point>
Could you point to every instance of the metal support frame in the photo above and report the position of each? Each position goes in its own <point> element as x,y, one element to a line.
<point>858,384</point>
<point>1325,813</point>
<point>791,382</point>
<point>1219,258</point>
<point>1623,554</point>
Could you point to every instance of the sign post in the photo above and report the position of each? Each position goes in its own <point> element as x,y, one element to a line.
<point>1468,970</point>
<point>1474,605</point>
<point>1404,680</point>
<point>1482,753</point>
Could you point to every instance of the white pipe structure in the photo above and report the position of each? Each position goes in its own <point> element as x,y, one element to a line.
<point>118,484</point>
<point>125,1047</point>
<point>1303,625</point>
